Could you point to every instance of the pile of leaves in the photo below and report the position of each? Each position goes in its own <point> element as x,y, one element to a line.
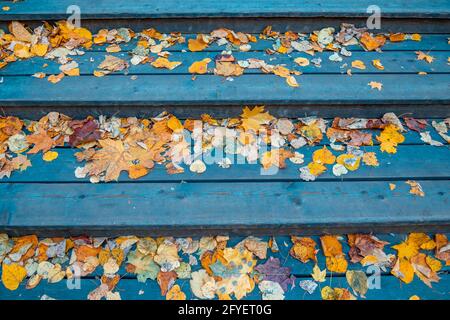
<point>110,146</point>
<point>62,42</point>
<point>212,268</point>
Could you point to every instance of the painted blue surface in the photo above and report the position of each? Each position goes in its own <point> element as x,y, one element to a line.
<point>48,9</point>
<point>410,162</point>
<point>237,207</point>
<point>130,288</point>
<point>151,90</point>
<point>398,62</point>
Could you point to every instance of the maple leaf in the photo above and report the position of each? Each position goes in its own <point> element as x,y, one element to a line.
<point>42,142</point>
<point>253,119</point>
<point>423,56</point>
<point>111,159</point>
<point>375,85</point>
<point>390,138</point>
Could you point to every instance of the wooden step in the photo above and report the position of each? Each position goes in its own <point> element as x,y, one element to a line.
<point>252,16</point>
<point>239,200</point>
<point>391,287</point>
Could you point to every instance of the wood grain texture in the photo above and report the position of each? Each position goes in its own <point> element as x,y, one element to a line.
<point>391,289</point>
<point>47,9</point>
<point>237,208</point>
<point>411,162</point>
<point>398,62</point>
<point>158,90</point>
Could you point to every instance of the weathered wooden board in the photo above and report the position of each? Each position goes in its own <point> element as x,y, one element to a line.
<point>151,90</point>
<point>391,289</point>
<point>48,9</point>
<point>411,162</point>
<point>374,110</point>
<point>210,208</point>
<point>254,25</point>
<point>429,42</point>
<point>398,62</point>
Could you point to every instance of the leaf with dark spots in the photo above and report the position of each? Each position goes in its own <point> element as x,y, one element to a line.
<point>415,124</point>
<point>273,271</point>
<point>83,132</point>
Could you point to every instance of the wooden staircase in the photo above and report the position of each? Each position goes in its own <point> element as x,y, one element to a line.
<point>48,200</point>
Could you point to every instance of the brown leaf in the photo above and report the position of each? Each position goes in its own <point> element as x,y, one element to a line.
<point>42,142</point>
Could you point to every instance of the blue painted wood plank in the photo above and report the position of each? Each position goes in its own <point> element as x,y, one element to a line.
<point>429,42</point>
<point>47,9</point>
<point>391,289</point>
<point>401,62</point>
<point>206,208</point>
<point>151,90</point>
<point>432,111</point>
<point>410,162</point>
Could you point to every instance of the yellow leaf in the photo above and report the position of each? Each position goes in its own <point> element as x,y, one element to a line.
<point>375,85</point>
<point>416,188</point>
<point>358,64</point>
<point>377,64</point>
<point>12,275</point>
<point>406,249</point>
<point>303,249</point>
<point>253,119</point>
<point>165,63</point>
<point>329,293</point>
<point>336,264</point>
<point>403,270</point>
<point>316,169</point>
<point>39,49</point>
<point>198,44</point>
<point>349,161</point>
<point>175,293</point>
<point>370,159</point>
<point>72,72</point>
<point>200,67</point>
<point>433,263</point>
<point>49,156</point>
<point>22,51</point>
<point>416,37</point>
<point>137,171</point>
<point>55,78</point>
<point>174,124</point>
<point>397,37</point>
<point>323,156</point>
<point>303,62</point>
<point>423,56</point>
<point>389,138</point>
<point>291,81</point>
<point>99,74</point>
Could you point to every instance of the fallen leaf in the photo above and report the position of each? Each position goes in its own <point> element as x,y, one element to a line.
<point>423,56</point>
<point>200,67</point>
<point>165,63</point>
<point>49,156</point>
<point>12,275</point>
<point>319,275</point>
<point>375,85</point>
<point>416,188</point>
<point>358,64</point>
<point>357,280</point>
